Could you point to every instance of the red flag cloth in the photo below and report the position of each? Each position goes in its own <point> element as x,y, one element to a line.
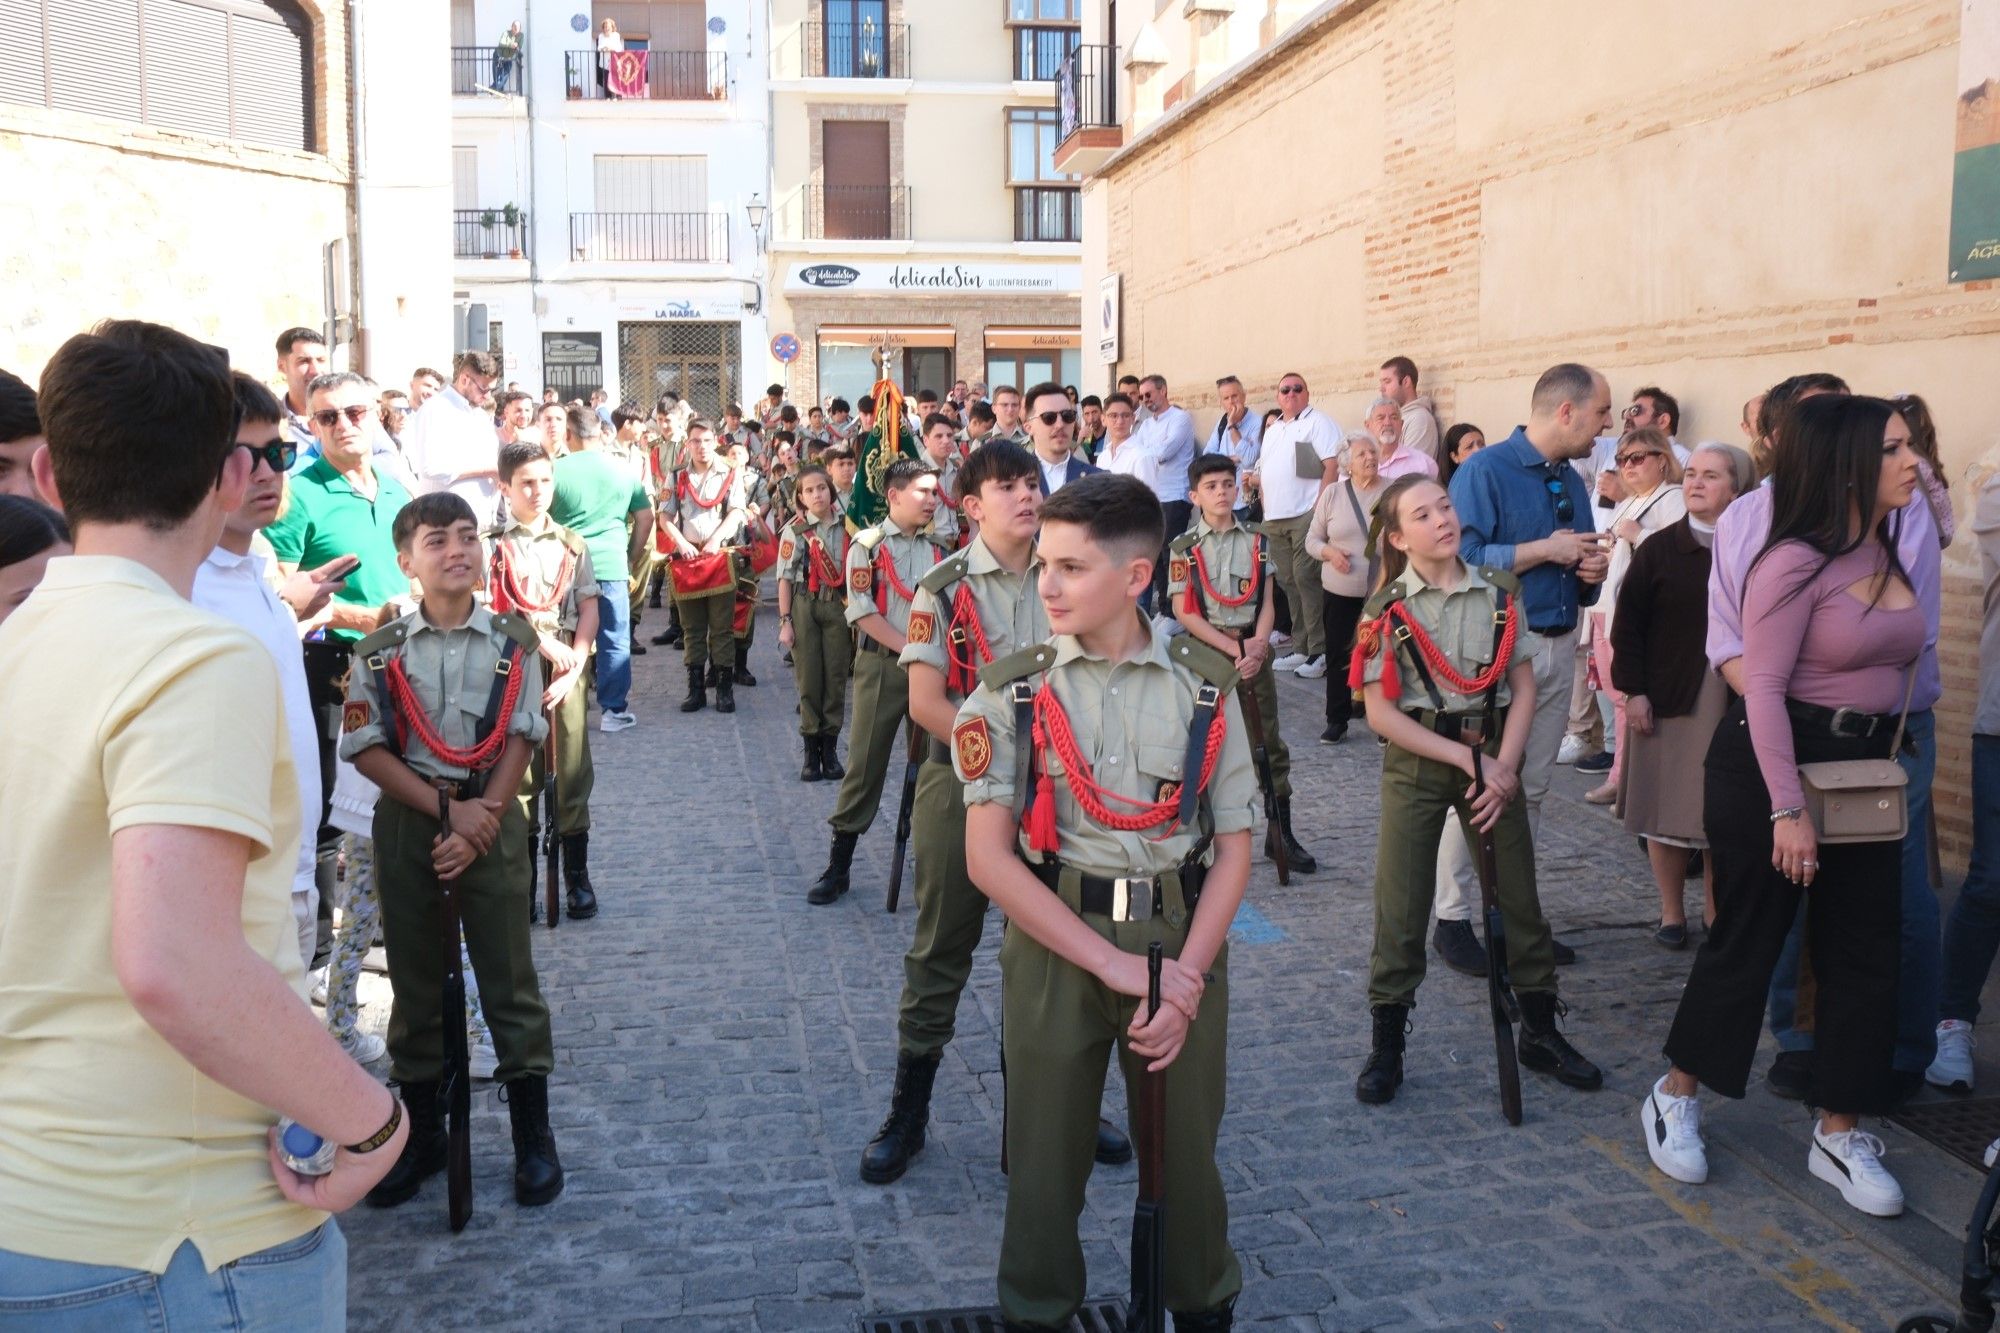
<point>628,74</point>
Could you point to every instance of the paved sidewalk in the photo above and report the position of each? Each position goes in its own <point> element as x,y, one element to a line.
<point>724,1050</point>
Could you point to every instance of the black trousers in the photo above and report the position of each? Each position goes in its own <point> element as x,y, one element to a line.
<point>1853,928</point>
<point>1339,616</point>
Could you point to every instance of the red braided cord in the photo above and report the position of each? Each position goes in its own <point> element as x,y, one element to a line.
<point>1256,580</point>
<point>507,589</point>
<point>1052,729</point>
<point>885,565</point>
<point>964,673</point>
<point>689,492</point>
<point>410,712</point>
<point>1441,666</point>
<point>822,572</point>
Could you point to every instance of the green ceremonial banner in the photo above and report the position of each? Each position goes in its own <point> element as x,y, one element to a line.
<point>869,504</point>
<point>1975,184</point>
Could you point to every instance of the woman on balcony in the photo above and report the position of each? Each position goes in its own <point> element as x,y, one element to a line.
<point>608,42</point>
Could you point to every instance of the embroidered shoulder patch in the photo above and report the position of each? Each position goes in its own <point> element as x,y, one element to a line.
<point>923,627</point>
<point>860,580</point>
<point>973,745</point>
<point>785,549</point>
<point>1177,569</point>
<point>354,715</point>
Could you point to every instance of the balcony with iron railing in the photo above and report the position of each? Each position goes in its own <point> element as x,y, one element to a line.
<point>674,238</point>
<point>489,233</point>
<point>1040,50</point>
<point>1048,213</point>
<point>865,50</point>
<point>647,76</point>
<point>477,72</point>
<point>1087,109</point>
<point>857,212</point>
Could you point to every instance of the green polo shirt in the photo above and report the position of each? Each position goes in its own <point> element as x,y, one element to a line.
<point>594,497</point>
<point>327,518</point>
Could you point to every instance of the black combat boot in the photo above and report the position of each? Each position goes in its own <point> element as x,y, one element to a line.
<point>697,696</point>
<point>653,597</point>
<point>1383,1073</point>
<point>901,1137</point>
<point>576,875</point>
<point>725,694</point>
<point>829,757</point>
<point>538,1173</point>
<point>1299,858</point>
<point>1113,1148</point>
<point>743,676</point>
<point>714,674</point>
<point>1208,1321</point>
<point>1460,949</point>
<point>1544,1050</point>
<point>423,1152</point>
<point>832,881</point>
<point>810,771</point>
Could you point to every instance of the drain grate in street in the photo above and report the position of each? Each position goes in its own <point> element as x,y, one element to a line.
<point>1962,1126</point>
<point>1101,1316</point>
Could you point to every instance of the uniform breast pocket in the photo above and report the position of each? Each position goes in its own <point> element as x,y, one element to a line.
<point>1161,766</point>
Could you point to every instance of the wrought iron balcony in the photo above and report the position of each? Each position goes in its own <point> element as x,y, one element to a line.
<point>1087,109</point>
<point>685,238</point>
<point>647,76</point>
<point>1045,213</point>
<point>1039,52</point>
<point>865,50</point>
<point>857,212</point>
<point>488,233</point>
<point>476,72</point>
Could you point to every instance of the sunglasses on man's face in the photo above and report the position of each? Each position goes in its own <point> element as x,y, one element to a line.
<point>328,417</point>
<point>1067,416</point>
<point>1291,388</point>
<point>278,455</point>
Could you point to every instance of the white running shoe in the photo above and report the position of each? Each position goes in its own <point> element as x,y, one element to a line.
<point>1290,662</point>
<point>319,987</point>
<point>1281,640</point>
<point>1851,1163</point>
<point>616,721</point>
<point>1992,1151</point>
<point>1313,668</point>
<point>1573,748</point>
<point>1673,1135</point>
<point>1953,1067</point>
<point>365,1047</point>
<point>484,1059</point>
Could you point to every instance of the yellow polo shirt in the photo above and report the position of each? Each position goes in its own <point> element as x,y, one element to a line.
<point>123,705</point>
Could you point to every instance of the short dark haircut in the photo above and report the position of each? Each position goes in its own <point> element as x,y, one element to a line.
<point>905,473</point>
<point>999,389</point>
<point>783,436</point>
<point>425,371</point>
<point>1092,400</point>
<point>333,379</point>
<point>114,465</point>
<point>1123,399</point>
<point>1124,380</point>
<point>515,456</point>
<point>981,411</point>
<point>583,423</point>
<point>511,397</point>
<point>789,415</point>
<point>483,364</point>
<point>27,528</point>
<point>841,453</point>
<point>254,402</point>
<point>815,411</point>
<point>439,509</point>
<point>1002,460</point>
<point>1663,402</point>
<point>774,391</point>
<point>927,395</point>
<point>1783,398</point>
<point>733,410</point>
<point>1406,369</point>
<point>1207,463</point>
<point>18,418</point>
<point>625,414</point>
<point>936,419</point>
<point>292,337</point>
<point>1227,380</point>
<point>865,404</point>
<point>839,405</point>
<point>1567,382</point>
<point>1116,511</point>
<point>1041,391</point>
<point>666,402</point>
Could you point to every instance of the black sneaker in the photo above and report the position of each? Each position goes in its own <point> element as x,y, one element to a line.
<point>1595,763</point>
<point>1459,948</point>
<point>1790,1075</point>
<point>1671,937</point>
<point>1565,955</point>
<point>1333,735</point>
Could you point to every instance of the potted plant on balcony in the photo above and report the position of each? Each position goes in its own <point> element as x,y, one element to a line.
<point>487,222</point>
<point>513,217</point>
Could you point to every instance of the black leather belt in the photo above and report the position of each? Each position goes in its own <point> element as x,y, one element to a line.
<point>1553,632</point>
<point>1847,723</point>
<point>1132,898</point>
<point>869,645</point>
<point>1451,726</point>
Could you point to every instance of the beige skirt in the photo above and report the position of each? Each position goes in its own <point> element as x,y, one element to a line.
<point>1661,796</point>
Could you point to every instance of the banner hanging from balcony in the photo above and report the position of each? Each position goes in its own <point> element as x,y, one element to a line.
<point>1975,190</point>
<point>939,279</point>
<point>628,73</point>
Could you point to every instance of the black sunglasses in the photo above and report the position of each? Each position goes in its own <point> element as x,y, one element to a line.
<point>1565,507</point>
<point>1291,388</point>
<point>330,416</point>
<point>278,455</point>
<point>1067,415</point>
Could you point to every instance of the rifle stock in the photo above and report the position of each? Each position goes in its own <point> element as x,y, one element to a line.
<point>1147,1312</point>
<point>1499,986</point>
<point>904,810</point>
<point>1260,758</point>
<point>551,834</point>
<point>455,1088</point>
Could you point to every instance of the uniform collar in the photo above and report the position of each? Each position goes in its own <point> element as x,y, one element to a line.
<point>1069,648</point>
<point>481,622</point>
<point>1202,528</point>
<point>890,529</point>
<point>979,559</point>
<point>542,527</point>
<point>1413,583</point>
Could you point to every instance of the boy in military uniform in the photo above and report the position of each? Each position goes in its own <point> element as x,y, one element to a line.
<point>541,572</point>
<point>841,466</point>
<point>812,621</point>
<point>884,565</point>
<point>941,449</point>
<point>1109,802</point>
<point>1219,586</point>
<point>756,505</point>
<point>974,607</point>
<point>1442,654</point>
<point>447,697</point>
<point>700,516</point>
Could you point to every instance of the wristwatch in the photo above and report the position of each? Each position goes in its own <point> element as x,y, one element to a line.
<point>1789,812</point>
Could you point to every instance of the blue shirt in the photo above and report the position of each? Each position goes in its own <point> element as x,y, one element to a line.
<point>1505,496</point>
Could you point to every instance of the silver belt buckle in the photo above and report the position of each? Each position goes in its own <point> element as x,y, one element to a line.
<point>1838,727</point>
<point>1132,899</point>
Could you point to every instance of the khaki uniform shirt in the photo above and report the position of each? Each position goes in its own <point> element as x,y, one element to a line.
<point>948,523</point>
<point>1019,435</point>
<point>535,555</point>
<point>1460,623</point>
<point>719,484</point>
<point>1230,557</point>
<point>912,554</point>
<point>795,552</point>
<point>1131,721</point>
<point>1009,605</point>
<point>451,672</point>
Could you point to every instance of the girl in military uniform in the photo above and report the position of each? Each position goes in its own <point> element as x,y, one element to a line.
<point>812,620</point>
<point>1443,660</point>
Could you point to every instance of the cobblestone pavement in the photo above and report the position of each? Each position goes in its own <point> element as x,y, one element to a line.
<point>724,1050</point>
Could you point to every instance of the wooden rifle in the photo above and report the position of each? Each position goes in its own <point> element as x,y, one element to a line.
<point>1499,986</point>
<point>551,834</point>
<point>455,1087</point>
<point>919,741</point>
<point>1260,758</point>
<point>1148,1308</point>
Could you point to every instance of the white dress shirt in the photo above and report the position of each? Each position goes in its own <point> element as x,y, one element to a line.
<point>1169,434</point>
<point>1131,459</point>
<point>1286,494</point>
<point>448,437</point>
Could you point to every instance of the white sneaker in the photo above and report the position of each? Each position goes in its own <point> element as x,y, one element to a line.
<point>1992,1151</point>
<point>319,988</point>
<point>484,1059</point>
<point>1573,748</point>
<point>616,721</point>
<point>365,1047</point>
<point>1290,662</point>
<point>1851,1163</point>
<point>1673,1134</point>
<point>1314,668</point>
<point>1953,1067</point>
<point>1281,640</point>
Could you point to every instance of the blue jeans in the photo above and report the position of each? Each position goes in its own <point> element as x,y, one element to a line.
<point>1918,980</point>
<point>614,649</point>
<point>301,1284</point>
<point>1972,936</point>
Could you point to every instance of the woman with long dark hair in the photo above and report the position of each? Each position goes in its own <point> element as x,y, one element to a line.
<point>1832,632</point>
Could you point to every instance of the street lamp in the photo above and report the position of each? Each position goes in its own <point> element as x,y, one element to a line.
<point>755,210</point>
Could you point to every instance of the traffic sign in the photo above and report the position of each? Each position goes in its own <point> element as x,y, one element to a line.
<point>785,347</point>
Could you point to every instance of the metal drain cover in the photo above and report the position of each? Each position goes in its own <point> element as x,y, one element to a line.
<point>1099,1316</point>
<point>1962,1126</point>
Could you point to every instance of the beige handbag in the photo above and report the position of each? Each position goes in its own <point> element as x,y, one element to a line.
<point>1861,800</point>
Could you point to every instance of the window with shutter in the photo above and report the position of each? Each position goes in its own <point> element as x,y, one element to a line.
<point>23,70</point>
<point>464,177</point>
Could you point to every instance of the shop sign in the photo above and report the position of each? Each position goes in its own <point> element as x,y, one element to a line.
<point>923,278</point>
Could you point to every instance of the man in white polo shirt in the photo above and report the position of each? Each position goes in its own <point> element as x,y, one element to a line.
<point>451,443</point>
<point>1299,459</point>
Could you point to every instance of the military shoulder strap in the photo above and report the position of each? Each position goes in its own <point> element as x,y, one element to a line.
<point>1185,542</point>
<point>1382,600</point>
<point>1218,674</point>
<point>868,538</point>
<point>390,635</point>
<point>372,655</point>
<point>1018,665</point>
<point>517,629</point>
<point>570,540</point>
<point>1009,676</point>
<point>943,574</point>
<point>1209,663</point>
<point>1508,583</point>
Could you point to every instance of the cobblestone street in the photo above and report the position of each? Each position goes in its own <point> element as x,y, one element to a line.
<point>724,1051</point>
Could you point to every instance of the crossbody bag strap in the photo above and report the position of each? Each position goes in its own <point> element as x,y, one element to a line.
<point>1909,692</point>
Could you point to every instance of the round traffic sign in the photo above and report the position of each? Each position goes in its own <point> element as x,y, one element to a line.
<point>785,347</point>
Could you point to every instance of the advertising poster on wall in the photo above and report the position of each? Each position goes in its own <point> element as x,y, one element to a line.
<point>1975,189</point>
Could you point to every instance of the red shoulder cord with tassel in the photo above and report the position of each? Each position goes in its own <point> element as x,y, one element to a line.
<point>822,571</point>
<point>885,576</point>
<point>962,676</point>
<point>687,491</point>
<point>1192,603</point>
<point>1374,636</point>
<point>410,716</point>
<point>1052,729</point>
<point>506,589</point>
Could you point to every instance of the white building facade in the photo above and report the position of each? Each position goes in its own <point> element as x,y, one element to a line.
<point>609,207</point>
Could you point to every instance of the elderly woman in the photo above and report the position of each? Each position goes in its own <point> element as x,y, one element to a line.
<point>1338,539</point>
<point>1672,700</point>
